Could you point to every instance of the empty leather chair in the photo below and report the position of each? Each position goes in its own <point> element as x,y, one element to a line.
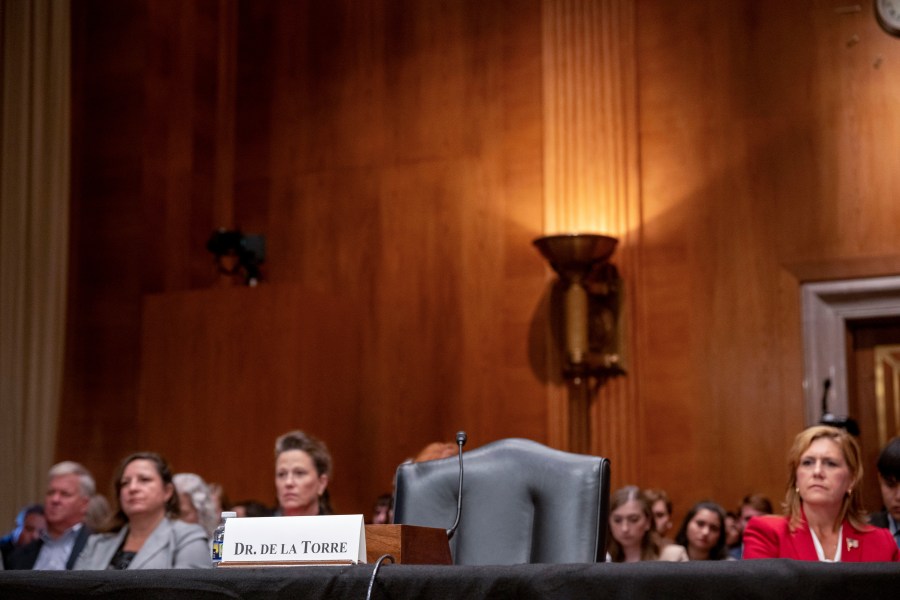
<point>523,502</point>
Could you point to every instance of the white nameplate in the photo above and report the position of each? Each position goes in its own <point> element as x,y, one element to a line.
<point>335,538</point>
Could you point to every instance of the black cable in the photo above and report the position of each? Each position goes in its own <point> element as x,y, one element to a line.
<point>461,438</point>
<point>378,563</point>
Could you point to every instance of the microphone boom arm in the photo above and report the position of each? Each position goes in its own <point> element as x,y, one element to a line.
<point>461,438</point>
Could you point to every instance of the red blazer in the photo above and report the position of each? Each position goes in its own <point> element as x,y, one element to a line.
<point>770,537</point>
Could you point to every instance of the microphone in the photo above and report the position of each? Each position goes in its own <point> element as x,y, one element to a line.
<point>826,384</point>
<point>461,438</point>
<point>847,423</point>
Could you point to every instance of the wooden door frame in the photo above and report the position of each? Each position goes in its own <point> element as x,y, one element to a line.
<point>827,307</point>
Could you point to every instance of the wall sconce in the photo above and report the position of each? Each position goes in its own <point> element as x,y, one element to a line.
<point>590,307</point>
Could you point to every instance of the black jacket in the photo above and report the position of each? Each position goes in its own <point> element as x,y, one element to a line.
<point>879,519</point>
<point>24,558</point>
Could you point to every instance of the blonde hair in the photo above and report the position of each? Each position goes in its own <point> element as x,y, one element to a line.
<point>851,506</point>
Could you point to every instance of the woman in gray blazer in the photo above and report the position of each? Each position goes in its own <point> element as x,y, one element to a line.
<point>143,534</point>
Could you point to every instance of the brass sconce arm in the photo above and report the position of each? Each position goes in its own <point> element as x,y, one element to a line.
<point>590,304</point>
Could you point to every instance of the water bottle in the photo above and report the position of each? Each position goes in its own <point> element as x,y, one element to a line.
<point>219,538</point>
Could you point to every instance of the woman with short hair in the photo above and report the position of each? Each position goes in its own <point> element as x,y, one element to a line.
<point>302,472</point>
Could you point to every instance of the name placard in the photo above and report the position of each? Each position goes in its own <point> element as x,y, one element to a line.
<point>290,540</point>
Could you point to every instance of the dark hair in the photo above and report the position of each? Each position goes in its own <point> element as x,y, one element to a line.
<point>254,508</point>
<point>31,509</point>
<point>318,452</point>
<point>889,460</point>
<point>119,519</point>
<point>717,552</point>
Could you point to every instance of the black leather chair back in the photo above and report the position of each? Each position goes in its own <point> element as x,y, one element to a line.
<point>522,503</point>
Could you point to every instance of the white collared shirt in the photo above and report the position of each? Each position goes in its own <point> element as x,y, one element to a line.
<point>55,553</point>
<point>821,553</point>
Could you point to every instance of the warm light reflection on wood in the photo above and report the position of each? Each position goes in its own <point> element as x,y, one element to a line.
<point>887,392</point>
<point>591,179</point>
<point>589,122</point>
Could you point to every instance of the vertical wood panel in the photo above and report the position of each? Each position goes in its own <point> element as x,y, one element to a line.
<point>224,140</point>
<point>226,371</point>
<point>98,408</point>
<point>591,180</point>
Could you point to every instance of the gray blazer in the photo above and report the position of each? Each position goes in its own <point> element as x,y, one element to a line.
<point>172,545</point>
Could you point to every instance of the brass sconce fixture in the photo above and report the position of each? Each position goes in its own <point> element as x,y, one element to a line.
<point>589,307</point>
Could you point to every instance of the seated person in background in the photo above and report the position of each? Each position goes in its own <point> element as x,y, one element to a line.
<point>703,532</point>
<point>98,512</point>
<point>383,511</point>
<point>632,535</point>
<point>69,489</point>
<point>302,471</point>
<point>144,533</point>
<point>436,450</point>
<point>219,498</point>
<point>252,508</point>
<point>195,503</point>
<point>30,524</point>
<point>889,479</point>
<point>825,520</point>
<point>662,513</point>
<point>754,505</point>
<point>732,534</point>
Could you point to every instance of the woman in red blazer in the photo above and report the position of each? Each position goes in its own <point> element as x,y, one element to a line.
<point>825,520</point>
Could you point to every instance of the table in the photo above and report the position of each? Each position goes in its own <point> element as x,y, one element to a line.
<point>763,579</point>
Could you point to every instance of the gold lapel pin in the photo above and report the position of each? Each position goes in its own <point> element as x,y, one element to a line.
<point>852,543</point>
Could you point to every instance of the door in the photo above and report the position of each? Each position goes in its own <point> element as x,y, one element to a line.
<point>874,393</point>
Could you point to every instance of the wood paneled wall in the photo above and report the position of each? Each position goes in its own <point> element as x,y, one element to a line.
<point>391,155</point>
<point>766,148</point>
<point>592,185</point>
<point>397,157</point>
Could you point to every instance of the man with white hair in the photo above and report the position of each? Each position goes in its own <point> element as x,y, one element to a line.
<point>69,488</point>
